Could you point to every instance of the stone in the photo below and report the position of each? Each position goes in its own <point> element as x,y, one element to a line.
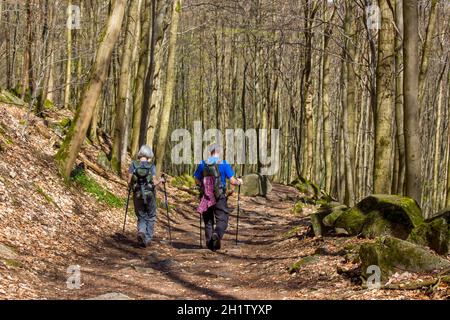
<point>256,185</point>
<point>333,214</point>
<point>103,161</point>
<point>302,262</point>
<point>393,255</point>
<point>444,213</point>
<point>379,215</point>
<point>434,234</point>
<point>111,296</point>
<point>351,221</point>
<point>316,221</point>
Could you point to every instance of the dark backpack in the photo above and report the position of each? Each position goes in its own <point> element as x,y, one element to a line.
<point>143,180</point>
<point>212,170</point>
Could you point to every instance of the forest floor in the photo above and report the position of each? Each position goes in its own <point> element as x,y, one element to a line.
<point>47,226</point>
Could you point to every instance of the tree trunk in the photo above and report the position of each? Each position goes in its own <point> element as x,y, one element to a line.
<point>385,102</point>
<point>411,114</point>
<point>71,146</point>
<point>68,85</point>
<point>169,87</point>
<point>121,121</point>
<point>426,49</point>
<point>139,83</point>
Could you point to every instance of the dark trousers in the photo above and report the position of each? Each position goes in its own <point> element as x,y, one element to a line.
<point>218,215</point>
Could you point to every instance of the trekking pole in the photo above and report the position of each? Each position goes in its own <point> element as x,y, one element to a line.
<point>201,245</point>
<point>238,210</point>
<point>167,208</point>
<point>126,210</point>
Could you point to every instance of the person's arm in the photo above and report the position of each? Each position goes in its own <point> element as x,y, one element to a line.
<point>157,181</point>
<point>229,173</point>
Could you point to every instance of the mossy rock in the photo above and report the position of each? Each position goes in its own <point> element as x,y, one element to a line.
<point>379,215</point>
<point>393,255</point>
<point>334,214</point>
<point>352,221</point>
<point>434,234</point>
<point>444,213</point>
<point>256,185</point>
<point>378,224</point>
<point>307,187</point>
<point>317,223</point>
<point>10,97</point>
<point>103,161</point>
<point>302,262</point>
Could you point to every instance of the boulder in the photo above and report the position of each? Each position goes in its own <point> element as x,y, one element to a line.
<point>444,213</point>
<point>333,214</point>
<point>103,161</point>
<point>350,222</point>
<point>317,223</point>
<point>256,185</point>
<point>306,187</point>
<point>379,215</point>
<point>392,255</point>
<point>433,234</point>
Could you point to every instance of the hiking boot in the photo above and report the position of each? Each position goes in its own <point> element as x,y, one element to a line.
<point>141,239</point>
<point>215,242</point>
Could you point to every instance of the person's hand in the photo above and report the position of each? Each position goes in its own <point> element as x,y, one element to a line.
<point>162,180</point>
<point>240,181</point>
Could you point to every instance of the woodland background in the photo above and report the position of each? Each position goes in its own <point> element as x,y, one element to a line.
<point>361,109</point>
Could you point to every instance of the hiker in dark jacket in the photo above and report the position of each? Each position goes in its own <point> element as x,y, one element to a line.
<point>213,204</point>
<point>143,181</point>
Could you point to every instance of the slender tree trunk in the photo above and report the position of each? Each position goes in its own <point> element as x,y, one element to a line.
<point>411,86</point>
<point>68,84</point>
<point>170,85</point>
<point>426,49</point>
<point>385,102</point>
<point>153,82</point>
<point>399,97</point>
<point>124,80</point>
<point>139,83</point>
<point>71,146</point>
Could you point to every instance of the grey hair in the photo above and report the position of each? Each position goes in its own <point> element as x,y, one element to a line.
<point>145,152</point>
<point>215,147</point>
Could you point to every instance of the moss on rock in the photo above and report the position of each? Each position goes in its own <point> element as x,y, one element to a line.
<point>302,262</point>
<point>391,255</point>
<point>335,213</point>
<point>351,221</point>
<point>317,223</point>
<point>434,234</point>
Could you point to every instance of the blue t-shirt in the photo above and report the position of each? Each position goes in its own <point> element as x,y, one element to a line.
<point>225,170</point>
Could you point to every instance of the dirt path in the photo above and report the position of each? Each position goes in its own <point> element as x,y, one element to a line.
<point>183,270</point>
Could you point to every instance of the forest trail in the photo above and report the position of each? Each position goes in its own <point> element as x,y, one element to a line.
<point>47,226</point>
<point>181,270</point>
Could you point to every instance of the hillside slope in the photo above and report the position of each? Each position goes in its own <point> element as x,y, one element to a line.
<point>46,226</point>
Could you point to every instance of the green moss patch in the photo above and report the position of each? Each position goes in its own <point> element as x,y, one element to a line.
<point>92,187</point>
<point>185,180</point>
<point>303,262</point>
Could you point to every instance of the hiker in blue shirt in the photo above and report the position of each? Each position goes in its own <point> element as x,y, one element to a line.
<point>219,212</point>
